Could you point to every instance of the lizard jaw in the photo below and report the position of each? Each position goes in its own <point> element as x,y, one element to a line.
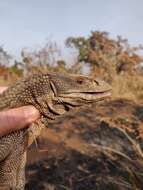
<point>87,95</point>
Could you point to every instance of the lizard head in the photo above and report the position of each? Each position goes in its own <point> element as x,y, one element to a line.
<point>54,93</point>
<point>76,90</point>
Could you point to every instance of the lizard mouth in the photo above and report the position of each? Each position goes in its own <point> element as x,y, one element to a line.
<point>87,96</point>
<point>78,99</point>
<point>97,95</point>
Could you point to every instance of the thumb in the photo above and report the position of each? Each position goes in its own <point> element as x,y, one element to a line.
<point>17,118</point>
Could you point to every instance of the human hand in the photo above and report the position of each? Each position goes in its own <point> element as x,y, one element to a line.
<point>16,118</point>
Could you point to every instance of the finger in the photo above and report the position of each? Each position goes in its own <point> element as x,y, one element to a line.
<point>17,118</point>
<point>3,88</point>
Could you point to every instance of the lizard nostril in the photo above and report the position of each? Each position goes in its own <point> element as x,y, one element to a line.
<point>96,82</point>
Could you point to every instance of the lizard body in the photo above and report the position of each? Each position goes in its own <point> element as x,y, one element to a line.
<point>52,94</point>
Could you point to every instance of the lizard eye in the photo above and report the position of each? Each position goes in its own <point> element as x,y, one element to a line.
<point>79,81</point>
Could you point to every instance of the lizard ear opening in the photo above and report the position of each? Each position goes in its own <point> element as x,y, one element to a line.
<point>53,88</point>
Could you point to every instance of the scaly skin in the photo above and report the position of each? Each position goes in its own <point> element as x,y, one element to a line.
<point>52,94</point>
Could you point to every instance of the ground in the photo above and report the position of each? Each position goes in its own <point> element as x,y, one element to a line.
<point>97,147</point>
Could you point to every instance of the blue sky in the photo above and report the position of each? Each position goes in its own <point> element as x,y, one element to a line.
<point>29,23</point>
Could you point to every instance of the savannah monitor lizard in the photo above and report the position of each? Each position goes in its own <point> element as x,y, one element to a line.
<point>52,94</point>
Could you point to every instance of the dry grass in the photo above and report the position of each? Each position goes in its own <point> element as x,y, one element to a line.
<point>128,86</point>
<point>4,82</point>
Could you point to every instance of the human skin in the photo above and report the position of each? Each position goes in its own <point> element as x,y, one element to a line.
<point>17,118</point>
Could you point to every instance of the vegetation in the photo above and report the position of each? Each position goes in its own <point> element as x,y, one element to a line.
<point>111,59</point>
